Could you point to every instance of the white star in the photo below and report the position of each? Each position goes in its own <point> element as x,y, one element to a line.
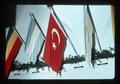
<point>53,45</point>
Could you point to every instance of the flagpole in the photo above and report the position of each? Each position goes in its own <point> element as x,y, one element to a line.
<point>18,34</point>
<point>63,29</point>
<point>84,31</point>
<point>33,17</point>
<point>113,21</point>
<point>40,51</point>
<point>94,27</point>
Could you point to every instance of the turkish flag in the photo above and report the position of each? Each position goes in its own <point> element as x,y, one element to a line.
<point>54,45</point>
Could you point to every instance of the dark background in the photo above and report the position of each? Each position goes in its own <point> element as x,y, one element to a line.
<point>7,17</point>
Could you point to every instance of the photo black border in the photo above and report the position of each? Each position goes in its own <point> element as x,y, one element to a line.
<point>8,17</point>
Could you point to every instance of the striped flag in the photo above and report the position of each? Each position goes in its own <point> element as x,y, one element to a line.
<point>34,41</point>
<point>13,45</point>
<point>89,37</point>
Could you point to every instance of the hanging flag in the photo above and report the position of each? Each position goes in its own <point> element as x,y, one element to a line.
<point>12,48</point>
<point>89,38</point>
<point>54,45</point>
<point>34,41</point>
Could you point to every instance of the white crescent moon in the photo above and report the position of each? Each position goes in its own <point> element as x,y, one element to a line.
<point>54,30</point>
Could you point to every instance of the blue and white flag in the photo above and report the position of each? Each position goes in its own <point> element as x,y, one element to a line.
<point>34,41</point>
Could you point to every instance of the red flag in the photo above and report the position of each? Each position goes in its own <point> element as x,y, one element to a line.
<point>12,48</point>
<point>54,45</point>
